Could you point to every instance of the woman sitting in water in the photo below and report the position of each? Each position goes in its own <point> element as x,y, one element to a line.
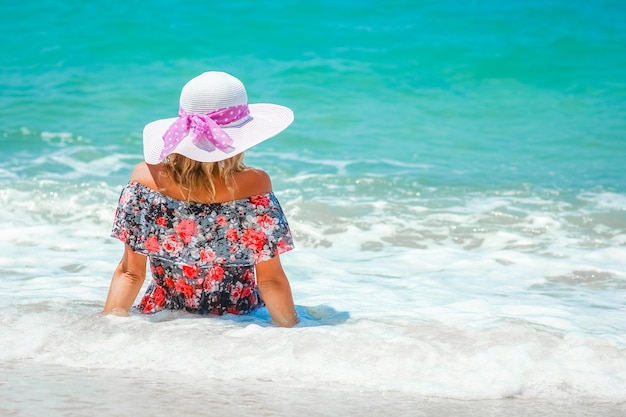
<point>211,227</point>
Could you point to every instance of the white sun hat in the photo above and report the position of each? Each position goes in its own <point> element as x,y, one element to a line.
<point>215,122</point>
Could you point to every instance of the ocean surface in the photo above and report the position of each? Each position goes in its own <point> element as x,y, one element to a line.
<point>455,180</point>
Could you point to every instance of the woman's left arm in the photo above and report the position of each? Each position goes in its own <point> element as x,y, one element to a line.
<point>126,283</point>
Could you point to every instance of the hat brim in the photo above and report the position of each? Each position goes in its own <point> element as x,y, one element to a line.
<point>265,121</point>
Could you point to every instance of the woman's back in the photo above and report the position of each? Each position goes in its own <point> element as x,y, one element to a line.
<point>246,183</point>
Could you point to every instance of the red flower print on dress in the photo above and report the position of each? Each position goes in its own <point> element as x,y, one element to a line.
<point>235,293</point>
<point>159,296</point>
<point>207,255</point>
<point>169,282</point>
<point>247,275</point>
<point>232,235</point>
<point>185,289</point>
<point>221,220</point>
<point>253,299</point>
<point>152,244</point>
<point>190,271</point>
<point>125,198</point>
<point>216,273</point>
<point>186,230</point>
<point>172,246</point>
<point>161,221</point>
<point>282,246</point>
<point>123,235</point>
<point>265,222</point>
<point>245,293</point>
<point>209,285</point>
<point>191,302</point>
<point>260,200</point>
<point>254,239</point>
<point>145,304</point>
<point>261,256</point>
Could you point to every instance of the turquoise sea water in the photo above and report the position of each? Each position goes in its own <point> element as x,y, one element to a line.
<point>486,94</point>
<point>454,179</point>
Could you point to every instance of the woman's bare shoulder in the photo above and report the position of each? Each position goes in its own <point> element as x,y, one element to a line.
<point>253,181</point>
<point>144,174</point>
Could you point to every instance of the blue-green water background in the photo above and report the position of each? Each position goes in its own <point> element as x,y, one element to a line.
<point>454,180</point>
<point>478,95</point>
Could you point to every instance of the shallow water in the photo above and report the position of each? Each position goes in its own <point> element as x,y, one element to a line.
<point>106,393</point>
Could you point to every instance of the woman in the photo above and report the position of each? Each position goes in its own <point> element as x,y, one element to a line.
<point>211,227</point>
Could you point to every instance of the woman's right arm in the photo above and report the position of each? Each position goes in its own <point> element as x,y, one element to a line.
<point>276,292</point>
<point>126,283</point>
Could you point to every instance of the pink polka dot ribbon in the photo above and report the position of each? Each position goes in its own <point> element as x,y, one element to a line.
<point>205,129</point>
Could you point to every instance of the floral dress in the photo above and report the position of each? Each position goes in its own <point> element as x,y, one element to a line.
<point>202,256</point>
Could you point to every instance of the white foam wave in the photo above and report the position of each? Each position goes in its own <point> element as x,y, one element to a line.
<point>442,295</point>
<point>423,358</point>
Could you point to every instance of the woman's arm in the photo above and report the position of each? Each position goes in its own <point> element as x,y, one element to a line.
<point>276,292</point>
<point>126,283</point>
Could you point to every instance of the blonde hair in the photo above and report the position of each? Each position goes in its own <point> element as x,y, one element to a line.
<point>193,176</point>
